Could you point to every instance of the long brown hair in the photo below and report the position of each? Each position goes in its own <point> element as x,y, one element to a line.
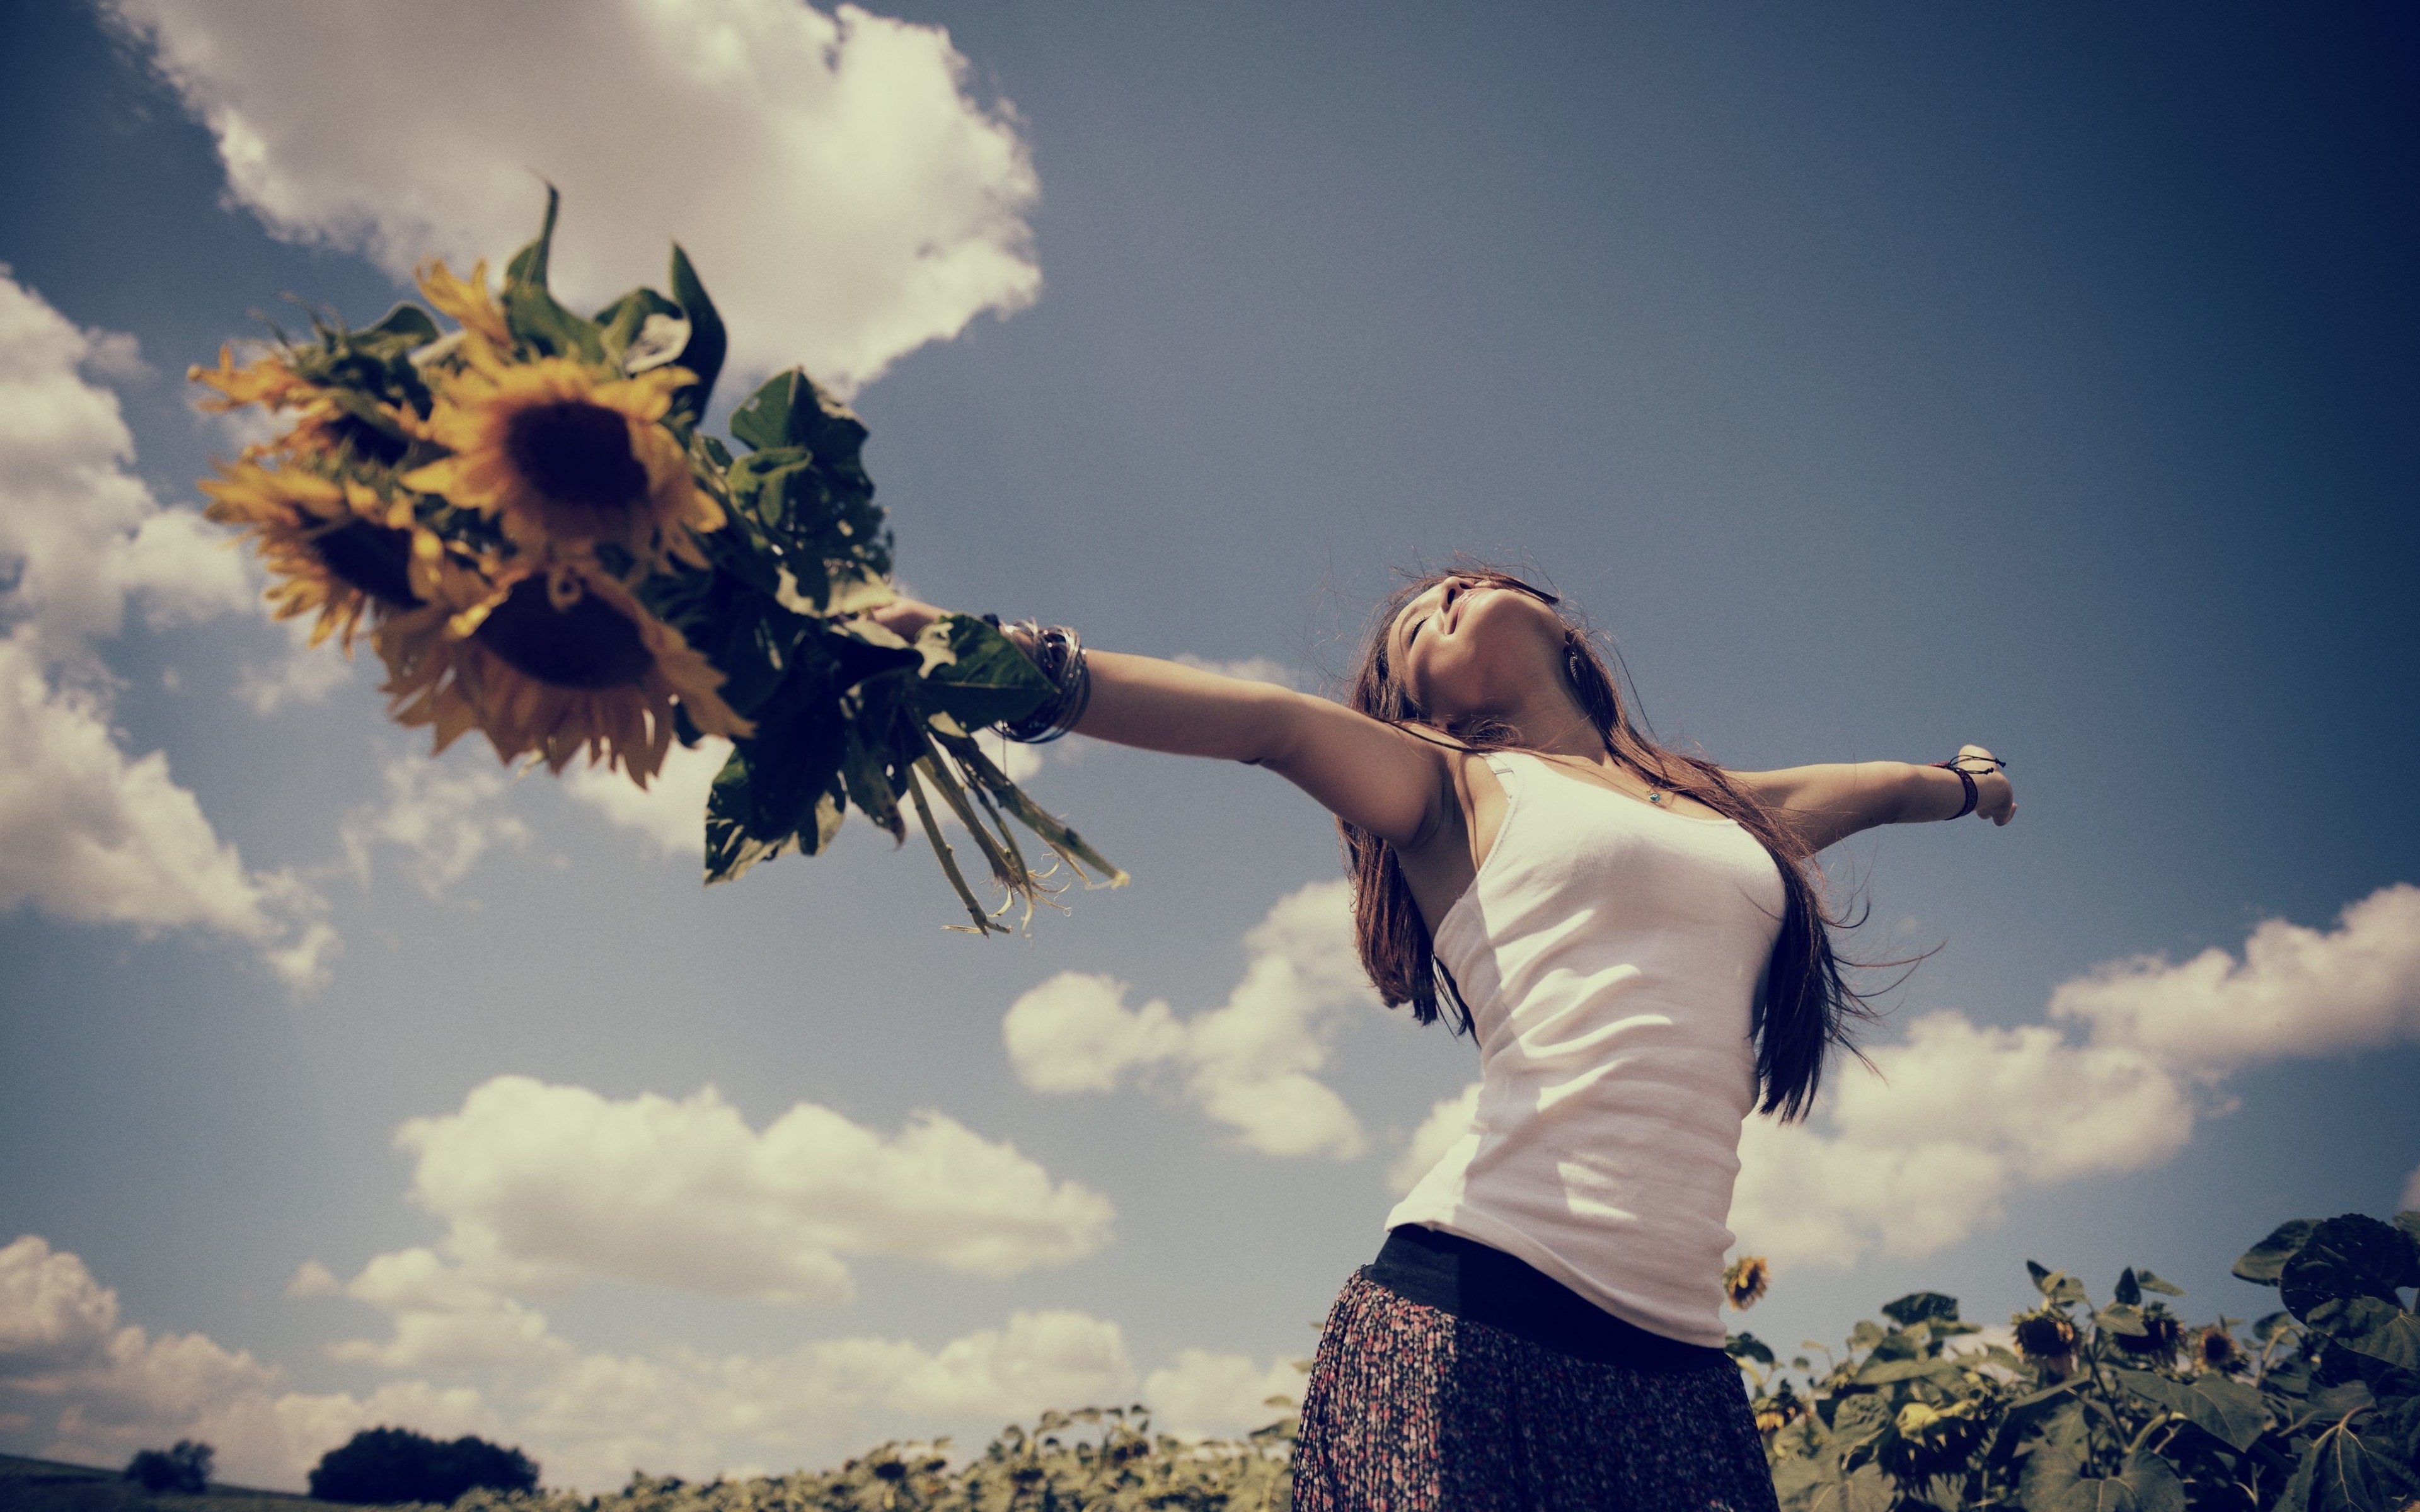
<point>1808,1005</point>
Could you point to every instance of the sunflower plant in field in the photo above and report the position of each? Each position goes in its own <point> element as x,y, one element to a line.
<point>526,520</point>
<point>2119,1407</point>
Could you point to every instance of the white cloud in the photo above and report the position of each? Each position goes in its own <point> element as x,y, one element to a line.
<point>1963,1116</point>
<point>2296,992</point>
<point>1201,1393</point>
<point>1249,1063</point>
<point>546,1187</point>
<point>2412,1191</point>
<point>79,533</point>
<point>114,1388</point>
<point>91,837</point>
<point>1253,669</point>
<point>88,834</point>
<point>1448,1121</point>
<point>101,1389</point>
<point>670,812</point>
<point>844,196</point>
<point>444,817</point>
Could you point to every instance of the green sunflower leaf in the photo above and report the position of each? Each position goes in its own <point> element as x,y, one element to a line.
<point>708,341</point>
<point>985,680</point>
<point>2261,1263</point>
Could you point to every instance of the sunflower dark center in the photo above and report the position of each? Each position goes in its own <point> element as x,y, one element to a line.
<point>371,558</point>
<point>591,645</point>
<point>577,455</point>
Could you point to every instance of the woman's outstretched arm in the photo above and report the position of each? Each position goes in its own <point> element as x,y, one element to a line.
<point>1828,802</point>
<point>1365,772</point>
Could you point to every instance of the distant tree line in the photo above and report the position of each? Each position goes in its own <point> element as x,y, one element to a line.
<point>382,1465</point>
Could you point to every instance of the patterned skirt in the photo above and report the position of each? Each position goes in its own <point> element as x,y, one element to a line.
<point>1412,1408</point>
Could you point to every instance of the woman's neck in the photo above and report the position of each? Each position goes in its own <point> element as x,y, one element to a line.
<point>1552,723</point>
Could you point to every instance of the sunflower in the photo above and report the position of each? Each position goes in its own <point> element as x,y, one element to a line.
<point>569,456</point>
<point>543,671</point>
<point>1745,1281</point>
<point>332,545</point>
<point>325,427</point>
<point>2046,1337</point>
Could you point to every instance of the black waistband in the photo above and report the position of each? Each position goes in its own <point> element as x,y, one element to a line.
<point>1471,1281</point>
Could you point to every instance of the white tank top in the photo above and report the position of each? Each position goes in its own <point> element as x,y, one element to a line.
<point>1611,953</point>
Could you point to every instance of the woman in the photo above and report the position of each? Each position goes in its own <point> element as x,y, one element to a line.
<point>1635,940</point>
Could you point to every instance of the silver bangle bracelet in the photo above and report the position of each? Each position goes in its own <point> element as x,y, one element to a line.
<point>1058,652</point>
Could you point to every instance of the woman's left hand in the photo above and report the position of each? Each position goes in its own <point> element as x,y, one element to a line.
<point>1996,797</point>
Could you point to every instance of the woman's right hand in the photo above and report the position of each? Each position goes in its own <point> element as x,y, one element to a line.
<point>905,617</point>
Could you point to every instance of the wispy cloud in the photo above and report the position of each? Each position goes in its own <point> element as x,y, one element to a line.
<point>443,816</point>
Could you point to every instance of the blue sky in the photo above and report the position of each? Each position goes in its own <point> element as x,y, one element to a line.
<point>1881,379</point>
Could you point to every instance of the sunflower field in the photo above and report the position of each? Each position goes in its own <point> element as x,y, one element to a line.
<point>2110,1407</point>
<point>528,521</point>
<point>2120,1405</point>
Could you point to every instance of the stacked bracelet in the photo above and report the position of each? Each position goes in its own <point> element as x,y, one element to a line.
<point>1966,781</point>
<point>1058,652</point>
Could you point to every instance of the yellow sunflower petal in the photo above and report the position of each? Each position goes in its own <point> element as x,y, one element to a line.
<point>468,303</point>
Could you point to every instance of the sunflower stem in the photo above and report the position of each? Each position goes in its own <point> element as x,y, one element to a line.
<point>983,924</point>
<point>1007,860</point>
<point>1010,875</point>
<point>1070,845</point>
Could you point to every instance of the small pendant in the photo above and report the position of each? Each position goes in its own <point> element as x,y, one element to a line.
<point>1654,795</point>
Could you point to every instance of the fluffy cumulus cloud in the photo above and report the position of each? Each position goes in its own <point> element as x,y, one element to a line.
<point>1202,1392</point>
<point>79,533</point>
<point>669,813</point>
<point>98,1388</point>
<point>545,1188</point>
<point>88,833</point>
<point>1961,1116</point>
<point>1250,1063</point>
<point>2296,991</point>
<point>844,196</point>
<point>92,1388</point>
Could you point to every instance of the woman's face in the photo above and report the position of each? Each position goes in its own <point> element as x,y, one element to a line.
<point>1473,644</point>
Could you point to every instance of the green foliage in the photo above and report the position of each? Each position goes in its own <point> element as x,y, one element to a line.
<point>846,714</point>
<point>2118,1408</point>
<point>1096,1460</point>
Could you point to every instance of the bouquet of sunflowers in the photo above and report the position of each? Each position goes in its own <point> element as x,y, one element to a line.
<point>527,521</point>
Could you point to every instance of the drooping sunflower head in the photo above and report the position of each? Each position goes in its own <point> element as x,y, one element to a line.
<point>2045,1337</point>
<point>543,673</point>
<point>2163,1331</point>
<point>1745,1281</point>
<point>1931,1440</point>
<point>332,545</point>
<point>322,424</point>
<point>568,457</point>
